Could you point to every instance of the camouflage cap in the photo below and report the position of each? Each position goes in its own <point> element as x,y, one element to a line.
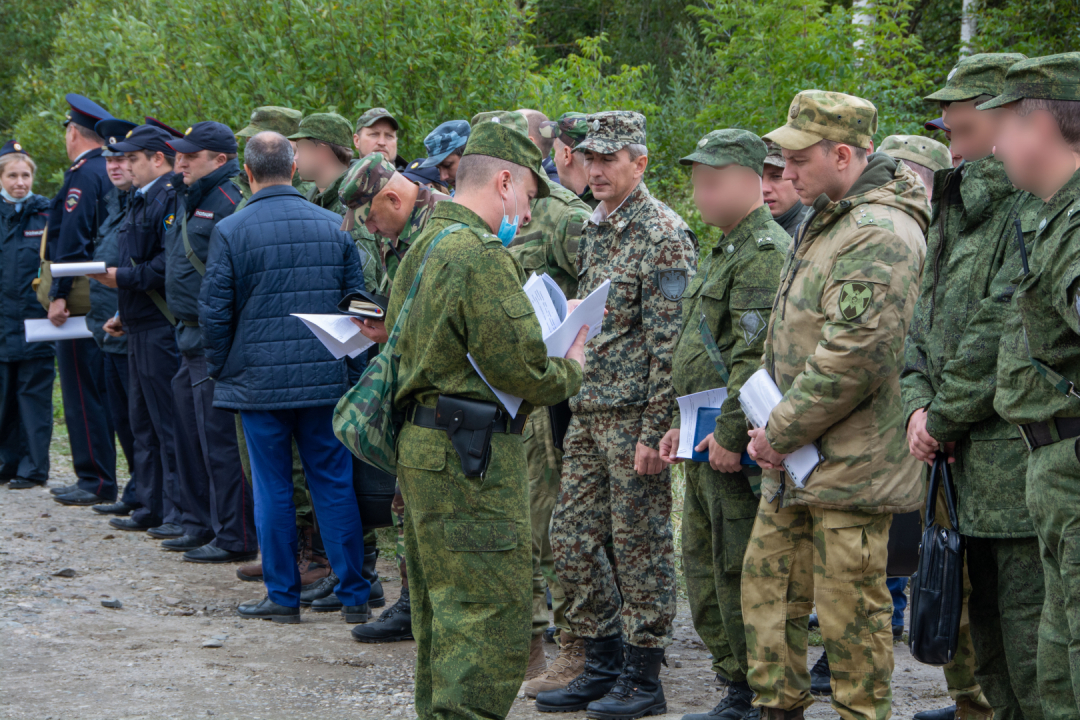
<point>817,115</point>
<point>445,139</point>
<point>775,155</point>
<point>363,181</point>
<point>570,128</point>
<point>271,117</point>
<point>325,127</point>
<point>609,132</point>
<point>1053,77</point>
<point>918,149</point>
<point>500,140</point>
<point>508,118</point>
<point>373,116</point>
<point>982,74</point>
<point>729,147</point>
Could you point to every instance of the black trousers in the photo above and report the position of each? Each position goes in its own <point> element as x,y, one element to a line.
<point>214,498</point>
<point>89,426</point>
<point>26,418</point>
<point>116,388</point>
<point>152,363</point>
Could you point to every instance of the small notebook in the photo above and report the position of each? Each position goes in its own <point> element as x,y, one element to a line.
<point>364,304</point>
<point>706,423</point>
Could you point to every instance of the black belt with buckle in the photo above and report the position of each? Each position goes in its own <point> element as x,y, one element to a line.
<point>1039,434</point>
<point>426,417</point>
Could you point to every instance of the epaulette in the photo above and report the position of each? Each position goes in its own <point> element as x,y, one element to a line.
<point>77,165</point>
<point>765,242</point>
<point>485,237</point>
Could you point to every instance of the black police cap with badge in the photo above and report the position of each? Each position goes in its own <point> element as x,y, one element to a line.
<point>12,146</point>
<point>206,135</point>
<point>144,137</point>
<point>113,130</point>
<point>84,111</point>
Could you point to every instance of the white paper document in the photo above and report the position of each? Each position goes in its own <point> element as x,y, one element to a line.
<point>511,402</point>
<point>758,396</point>
<point>59,270</point>
<point>688,409</point>
<point>338,333</point>
<point>74,328</point>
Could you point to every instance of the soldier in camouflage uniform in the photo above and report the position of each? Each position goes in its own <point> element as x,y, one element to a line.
<point>615,487</point>
<point>281,120</point>
<point>466,538</point>
<point>924,155</point>
<point>948,385</point>
<point>376,132</point>
<point>569,130</point>
<point>1039,353</point>
<point>834,348</point>
<point>784,204</point>
<point>725,311</point>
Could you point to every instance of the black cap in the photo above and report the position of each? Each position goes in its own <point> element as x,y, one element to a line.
<point>158,124</point>
<point>419,174</point>
<point>144,137</point>
<point>84,111</point>
<point>207,135</point>
<point>936,124</point>
<point>113,130</point>
<point>12,146</point>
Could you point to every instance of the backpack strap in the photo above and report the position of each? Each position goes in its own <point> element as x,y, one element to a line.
<point>199,265</point>
<point>391,342</point>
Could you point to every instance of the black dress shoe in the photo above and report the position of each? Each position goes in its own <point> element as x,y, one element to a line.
<point>330,603</point>
<point>166,530</point>
<point>210,553</point>
<point>355,614</point>
<point>64,490</point>
<point>319,589</point>
<point>23,484</point>
<point>820,676</point>
<point>945,713</point>
<point>123,523</point>
<point>266,609</point>
<point>185,543</point>
<point>79,497</point>
<point>116,508</point>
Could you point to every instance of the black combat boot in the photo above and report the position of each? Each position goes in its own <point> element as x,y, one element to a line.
<point>394,625</point>
<point>376,599</point>
<point>603,662</point>
<point>637,692</point>
<point>735,705</point>
<point>820,682</point>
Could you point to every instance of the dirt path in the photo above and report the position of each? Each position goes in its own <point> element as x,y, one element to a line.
<point>65,656</point>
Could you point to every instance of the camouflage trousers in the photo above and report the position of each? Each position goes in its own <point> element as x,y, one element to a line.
<point>1053,498</point>
<point>718,516</point>
<point>468,550</point>
<point>799,556</point>
<point>603,499</point>
<point>545,466</point>
<point>397,509</point>
<point>305,510</point>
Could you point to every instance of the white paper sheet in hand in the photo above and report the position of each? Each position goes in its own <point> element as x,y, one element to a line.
<point>74,328</point>
<point>688,407</point>
<point>590,312</point>
<point>758,396</point>
<point>511,402</point>
<point>59,270</point>
<point>338,333</point>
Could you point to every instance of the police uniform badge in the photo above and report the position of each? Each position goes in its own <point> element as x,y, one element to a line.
<point>854,299</point>
<point>169,219</point>
<point>72,200</point>
<point>672,283</point>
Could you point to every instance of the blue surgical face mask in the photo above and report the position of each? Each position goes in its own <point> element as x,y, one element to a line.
<point>508,230</point>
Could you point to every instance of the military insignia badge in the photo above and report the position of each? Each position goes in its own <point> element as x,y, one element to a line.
<point>854,299</point>
<point>672,283</point>
<point>17,146</point>
<point>169,219</point>
<point>752,324</point>
<point>72,200</point>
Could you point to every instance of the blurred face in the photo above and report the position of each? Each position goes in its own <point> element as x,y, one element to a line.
<point>613,176</point>
<point>144,170</point>
<point>971,131</point>
<point>119,170</point>
<point>448,169</point>
<point>17,178</point>
<point>724,194</point>
<point>380,137</point>
<point>309,159</point>
<point>198,165</point>
<point>1036,157</point>
<point>779,193</point>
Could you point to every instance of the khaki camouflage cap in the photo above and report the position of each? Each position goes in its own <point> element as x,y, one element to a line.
<point>570,129</point>
<point>982,74</point>
<point>271,117</point>
<point>918,149</point>
<point>325,127</point>
<point>500,140</point>
<point>609,132</point>
<point>373,116</point>
<point>729,147</point>
<point>508,118</point>
<point>1053,77</point>
<point>775,155</point>
<point>363,181</point>
<point>817,115</point>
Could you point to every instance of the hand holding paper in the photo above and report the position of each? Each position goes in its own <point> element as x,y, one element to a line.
<point>337,333</point>
<point>60,270</point>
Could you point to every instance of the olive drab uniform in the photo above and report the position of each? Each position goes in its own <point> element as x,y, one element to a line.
<point>732,296</point>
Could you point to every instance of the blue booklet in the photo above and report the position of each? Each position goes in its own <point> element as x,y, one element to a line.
<point>706,423</point>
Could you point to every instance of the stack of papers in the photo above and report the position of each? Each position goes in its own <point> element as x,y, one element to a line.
<point>74,328</point>
<point>758,396</point>
<point>338,333</point>
<point>688,416</point>
<point>60,270</point>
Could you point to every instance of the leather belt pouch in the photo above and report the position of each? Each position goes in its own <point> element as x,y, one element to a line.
<point>469,424</point>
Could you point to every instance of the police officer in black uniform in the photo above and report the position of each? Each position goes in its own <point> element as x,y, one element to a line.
<point>215,502</point>
<point>76,212</point>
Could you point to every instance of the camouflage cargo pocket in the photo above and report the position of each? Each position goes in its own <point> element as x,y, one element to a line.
<point>479,551</point>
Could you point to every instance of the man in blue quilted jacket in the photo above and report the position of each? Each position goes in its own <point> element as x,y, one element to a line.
<point>281,255</point>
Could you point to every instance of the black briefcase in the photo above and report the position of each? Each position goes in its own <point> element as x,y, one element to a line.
<point>374,495</point>
<point>937,586</point>
<point>904,537</point>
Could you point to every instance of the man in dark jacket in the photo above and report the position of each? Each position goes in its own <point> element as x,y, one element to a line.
<point>282,255</point>
<point>148,323</point>
<point>214,500</point>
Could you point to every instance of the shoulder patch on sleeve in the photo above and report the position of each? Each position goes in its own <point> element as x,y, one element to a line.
<point>672,282</point>
<point>855,298</point>
<point>72,200</point>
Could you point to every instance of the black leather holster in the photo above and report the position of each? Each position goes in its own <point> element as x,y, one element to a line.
<point>469,424</point>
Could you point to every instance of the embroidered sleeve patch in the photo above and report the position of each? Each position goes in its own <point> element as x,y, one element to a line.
<point>854,299</point>
<point>72,200</point>
<point>205,214</point>
<point>169,219</point>
<point>672,283</point>
<point>34,233</point>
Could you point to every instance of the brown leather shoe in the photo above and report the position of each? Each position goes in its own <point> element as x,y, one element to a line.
<point>250,573</point>
<point>768,713</point>
<point>568,665</point>
<point>537,659</point>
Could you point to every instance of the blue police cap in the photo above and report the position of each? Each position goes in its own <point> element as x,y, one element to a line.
<point>445,139</point>
<point>12,146</point>
<point>84,111</point>
<point>936,124</point>
<point>113,130</point>
<point>144,137</point>
<point>158,124</point>
<point>420,174</point>
<point>207,135</point>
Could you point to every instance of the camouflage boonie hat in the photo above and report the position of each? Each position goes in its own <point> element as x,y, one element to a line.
<point>918,149</point>
<point>324,127</point>
<point>609,132</point>
<point>570,128</point>
<point>817,115</point>
<point>508,118</point>
<point>1053,77</point>
<point>373,116</point>
<point>271,117</point>
<point>363,181</point>
<point>982,74</point>
<point>499,140</point>
<point>729,147</point>
<point>775,155</point>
